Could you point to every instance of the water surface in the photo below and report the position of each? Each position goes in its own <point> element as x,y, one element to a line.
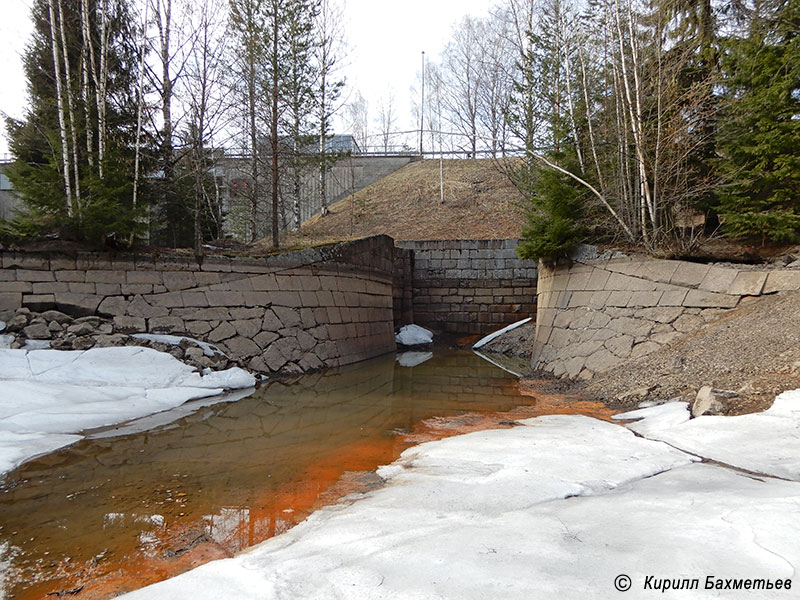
<point>112,514</point>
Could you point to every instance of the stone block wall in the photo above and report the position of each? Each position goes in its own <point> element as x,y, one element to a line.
<point>403,288</point>
<point>297,311</point>
<point>470,286</point>
<point>593,314</point>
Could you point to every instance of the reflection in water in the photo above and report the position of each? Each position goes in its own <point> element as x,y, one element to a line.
<point>225,477</point>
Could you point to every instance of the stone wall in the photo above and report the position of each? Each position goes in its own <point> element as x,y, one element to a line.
<point>403,288</point>
<point>470,286</point>
<point>595,313</point>
<point>296,311</point>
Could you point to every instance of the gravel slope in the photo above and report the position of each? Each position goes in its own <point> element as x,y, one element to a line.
<point>753,349</point>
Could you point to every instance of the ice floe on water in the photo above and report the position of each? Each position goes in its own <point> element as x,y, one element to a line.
<point>561,506</point>
<point>50,396</point>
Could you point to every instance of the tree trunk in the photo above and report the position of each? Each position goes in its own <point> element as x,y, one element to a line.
<point>65,161</point>
<point>86,42</point>
<point>70,109</point>
<point>274,127</point>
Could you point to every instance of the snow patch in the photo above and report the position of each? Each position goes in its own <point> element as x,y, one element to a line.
<point>653,418</point>
<point>413,335</point>
<point>485,340</point>
<point>16,448</point>
<point>555,508</point>
<point>767,442</point>
<point>173,340</point>
<point>36,345</point>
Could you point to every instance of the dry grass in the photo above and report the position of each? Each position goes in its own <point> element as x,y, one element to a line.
<point>479,203</point>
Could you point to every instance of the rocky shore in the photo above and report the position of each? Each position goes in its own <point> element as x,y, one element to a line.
<point>54,329</point>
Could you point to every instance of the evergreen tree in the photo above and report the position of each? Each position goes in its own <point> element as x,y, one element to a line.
<point>554,216</point>
<point>759,139</point>
<point>74,149</point>
<point>287,83</point>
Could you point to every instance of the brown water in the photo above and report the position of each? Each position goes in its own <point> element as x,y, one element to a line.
<point>113,514</point>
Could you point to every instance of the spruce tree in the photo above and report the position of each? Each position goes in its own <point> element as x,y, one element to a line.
<point>759,140</point>
<point>554,213</point>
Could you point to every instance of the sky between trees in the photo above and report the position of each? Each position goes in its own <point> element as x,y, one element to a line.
<point>384,41</point>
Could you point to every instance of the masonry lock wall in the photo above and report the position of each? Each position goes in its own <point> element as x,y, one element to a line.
<point>597,311</point>
<point>470,286</point>
<point>294,312</point>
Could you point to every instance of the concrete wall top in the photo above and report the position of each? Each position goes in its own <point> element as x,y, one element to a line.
<point>374,253</point>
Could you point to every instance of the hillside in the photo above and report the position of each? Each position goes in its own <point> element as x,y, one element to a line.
<point>479,203</point>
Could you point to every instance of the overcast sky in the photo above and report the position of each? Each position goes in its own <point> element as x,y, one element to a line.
<point>386,38</point>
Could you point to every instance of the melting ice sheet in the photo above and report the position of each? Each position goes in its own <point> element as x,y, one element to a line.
<point>558,507</point>
<point>50,396</point>
<point>766,442</point>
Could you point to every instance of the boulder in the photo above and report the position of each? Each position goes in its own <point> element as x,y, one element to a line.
<point>57,316</point>
<point>81,329</point>
<point>37,331</point>
<point>711,401</point>
<point>17,323</point>
<point>83,343</point>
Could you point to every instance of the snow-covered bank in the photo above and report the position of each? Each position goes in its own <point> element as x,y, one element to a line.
<point>50,396</point>
<point>558,507</point>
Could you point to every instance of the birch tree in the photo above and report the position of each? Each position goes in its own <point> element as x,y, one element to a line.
<point>464,78</point>
<point>204,92</point>
<point>65,186</point>
<point>300,94</point>
<point>357,114</point>
<point>387,118</point>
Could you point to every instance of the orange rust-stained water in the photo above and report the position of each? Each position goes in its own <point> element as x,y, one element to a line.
<point>111,515</point>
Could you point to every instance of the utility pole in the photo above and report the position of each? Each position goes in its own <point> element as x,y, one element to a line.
<point>422,107</point>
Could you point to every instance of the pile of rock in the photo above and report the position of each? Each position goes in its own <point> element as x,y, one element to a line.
<point>53,329</point>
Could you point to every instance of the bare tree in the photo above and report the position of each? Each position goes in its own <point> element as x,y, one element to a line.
<point>65,153</point>
<point>247,26</point>
<point>140,100</point>
<point>329,51</point>
<point>70,107</point>
<point>464,76</point>
<point>357,113</point>
<point>204,92</point>
<point>172,48</point>
<point>498,64</point>
<point>387,118</point>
